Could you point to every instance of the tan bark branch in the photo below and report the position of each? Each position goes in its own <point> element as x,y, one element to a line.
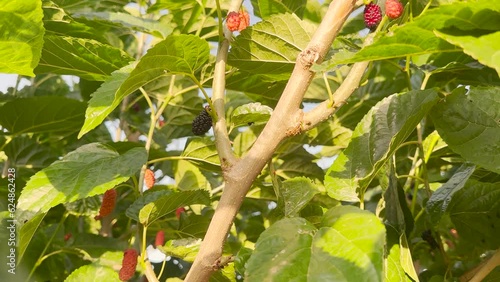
<point>324,110</point>
<point>479,274</point>
<point>283,123</point>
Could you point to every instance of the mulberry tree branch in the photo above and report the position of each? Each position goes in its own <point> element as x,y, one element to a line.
<point>284,122</point>
<point>222,142</point>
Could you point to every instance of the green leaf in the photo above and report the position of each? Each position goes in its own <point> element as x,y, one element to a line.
<point>271,46</point>
<point>104,101</point>
<point>167,204</point>
<point>42,114</point>
<point>484,48</point>
<point>252,113</point>
<point>438,203</point>
<point>257,86</point>
<point>189,177</point>
<point>93,273</point>
<point>201,151</point>
<point>90,170</point>
<point>181,54</point>
<point>86,58</point>
<point>394,270</point>
<point>397,214</point>
<point>186,249</point>
<point>21,36</point>
<point>148,197</point>
<point>470,125</point>
<point>150,26</point>
<point>297,192</point>
<point>177,54</point>
<point>26,151</point>
<point>475,211</point>
<point>26,233</point>
<point>58,21</point>
<point>266,8</point>
<point>375,139</point>
<point>349,246</point>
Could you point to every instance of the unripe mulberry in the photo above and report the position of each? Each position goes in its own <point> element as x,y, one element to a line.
<point>149,178</point>
<point>179,211</point>
<point>233,21</point>
<point>129,264</point>
<point>372,16</point>
<point>244,20</point>
<point>393,9</point>
<point>202,122</point>
<point>108,203</point>
<point>160,238</point>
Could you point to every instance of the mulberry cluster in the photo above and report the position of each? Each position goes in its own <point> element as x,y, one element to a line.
<point>237,21</point>
<point>108,204</point>
<point>202,122</point>
<point>129,264</point>
<point>372,15</point>
<point>149,178</point>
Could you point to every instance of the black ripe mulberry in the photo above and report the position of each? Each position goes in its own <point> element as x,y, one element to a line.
<point>372,16</point>
<point>202,122</point>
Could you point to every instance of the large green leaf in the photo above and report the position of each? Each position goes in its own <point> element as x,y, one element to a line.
<point>249,114</point>
<point>42,114</point>
<point>438,203</point>
<point>26,232</point>
<point>90,170</point>
<point>484,48</point>
<point>93,273</point>
<point>297,192</point>
<point>418,37</point>
<point>182,54</point>
<point>153,27</point>
<point>177,54</point>
<point>104,101</point>
<point>271,46</point>
<point>28,152</point>
<point>57,21</point>
<point>469,123</point>
<point>21,35</point>
<point>202,152</point>
<point>475,211</point>
<point>349,246</point>
<point>148,197</point>
<point>86,58</point>
<point>167,204</point>
<point>189,177</point>
<point>266,8</point>
<point>374,140</point>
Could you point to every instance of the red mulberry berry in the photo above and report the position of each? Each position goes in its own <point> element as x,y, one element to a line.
<point>129,263</point>
<point>233,21</point>
<point>202,122</point>
<point>108,204</point>
<point>67,236</point>
<point>372,15</point>
<point>160,238</point>
<point>393,9</point>
<point>244,20</point>
<point>149,178</point>
<point>178,212</point>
